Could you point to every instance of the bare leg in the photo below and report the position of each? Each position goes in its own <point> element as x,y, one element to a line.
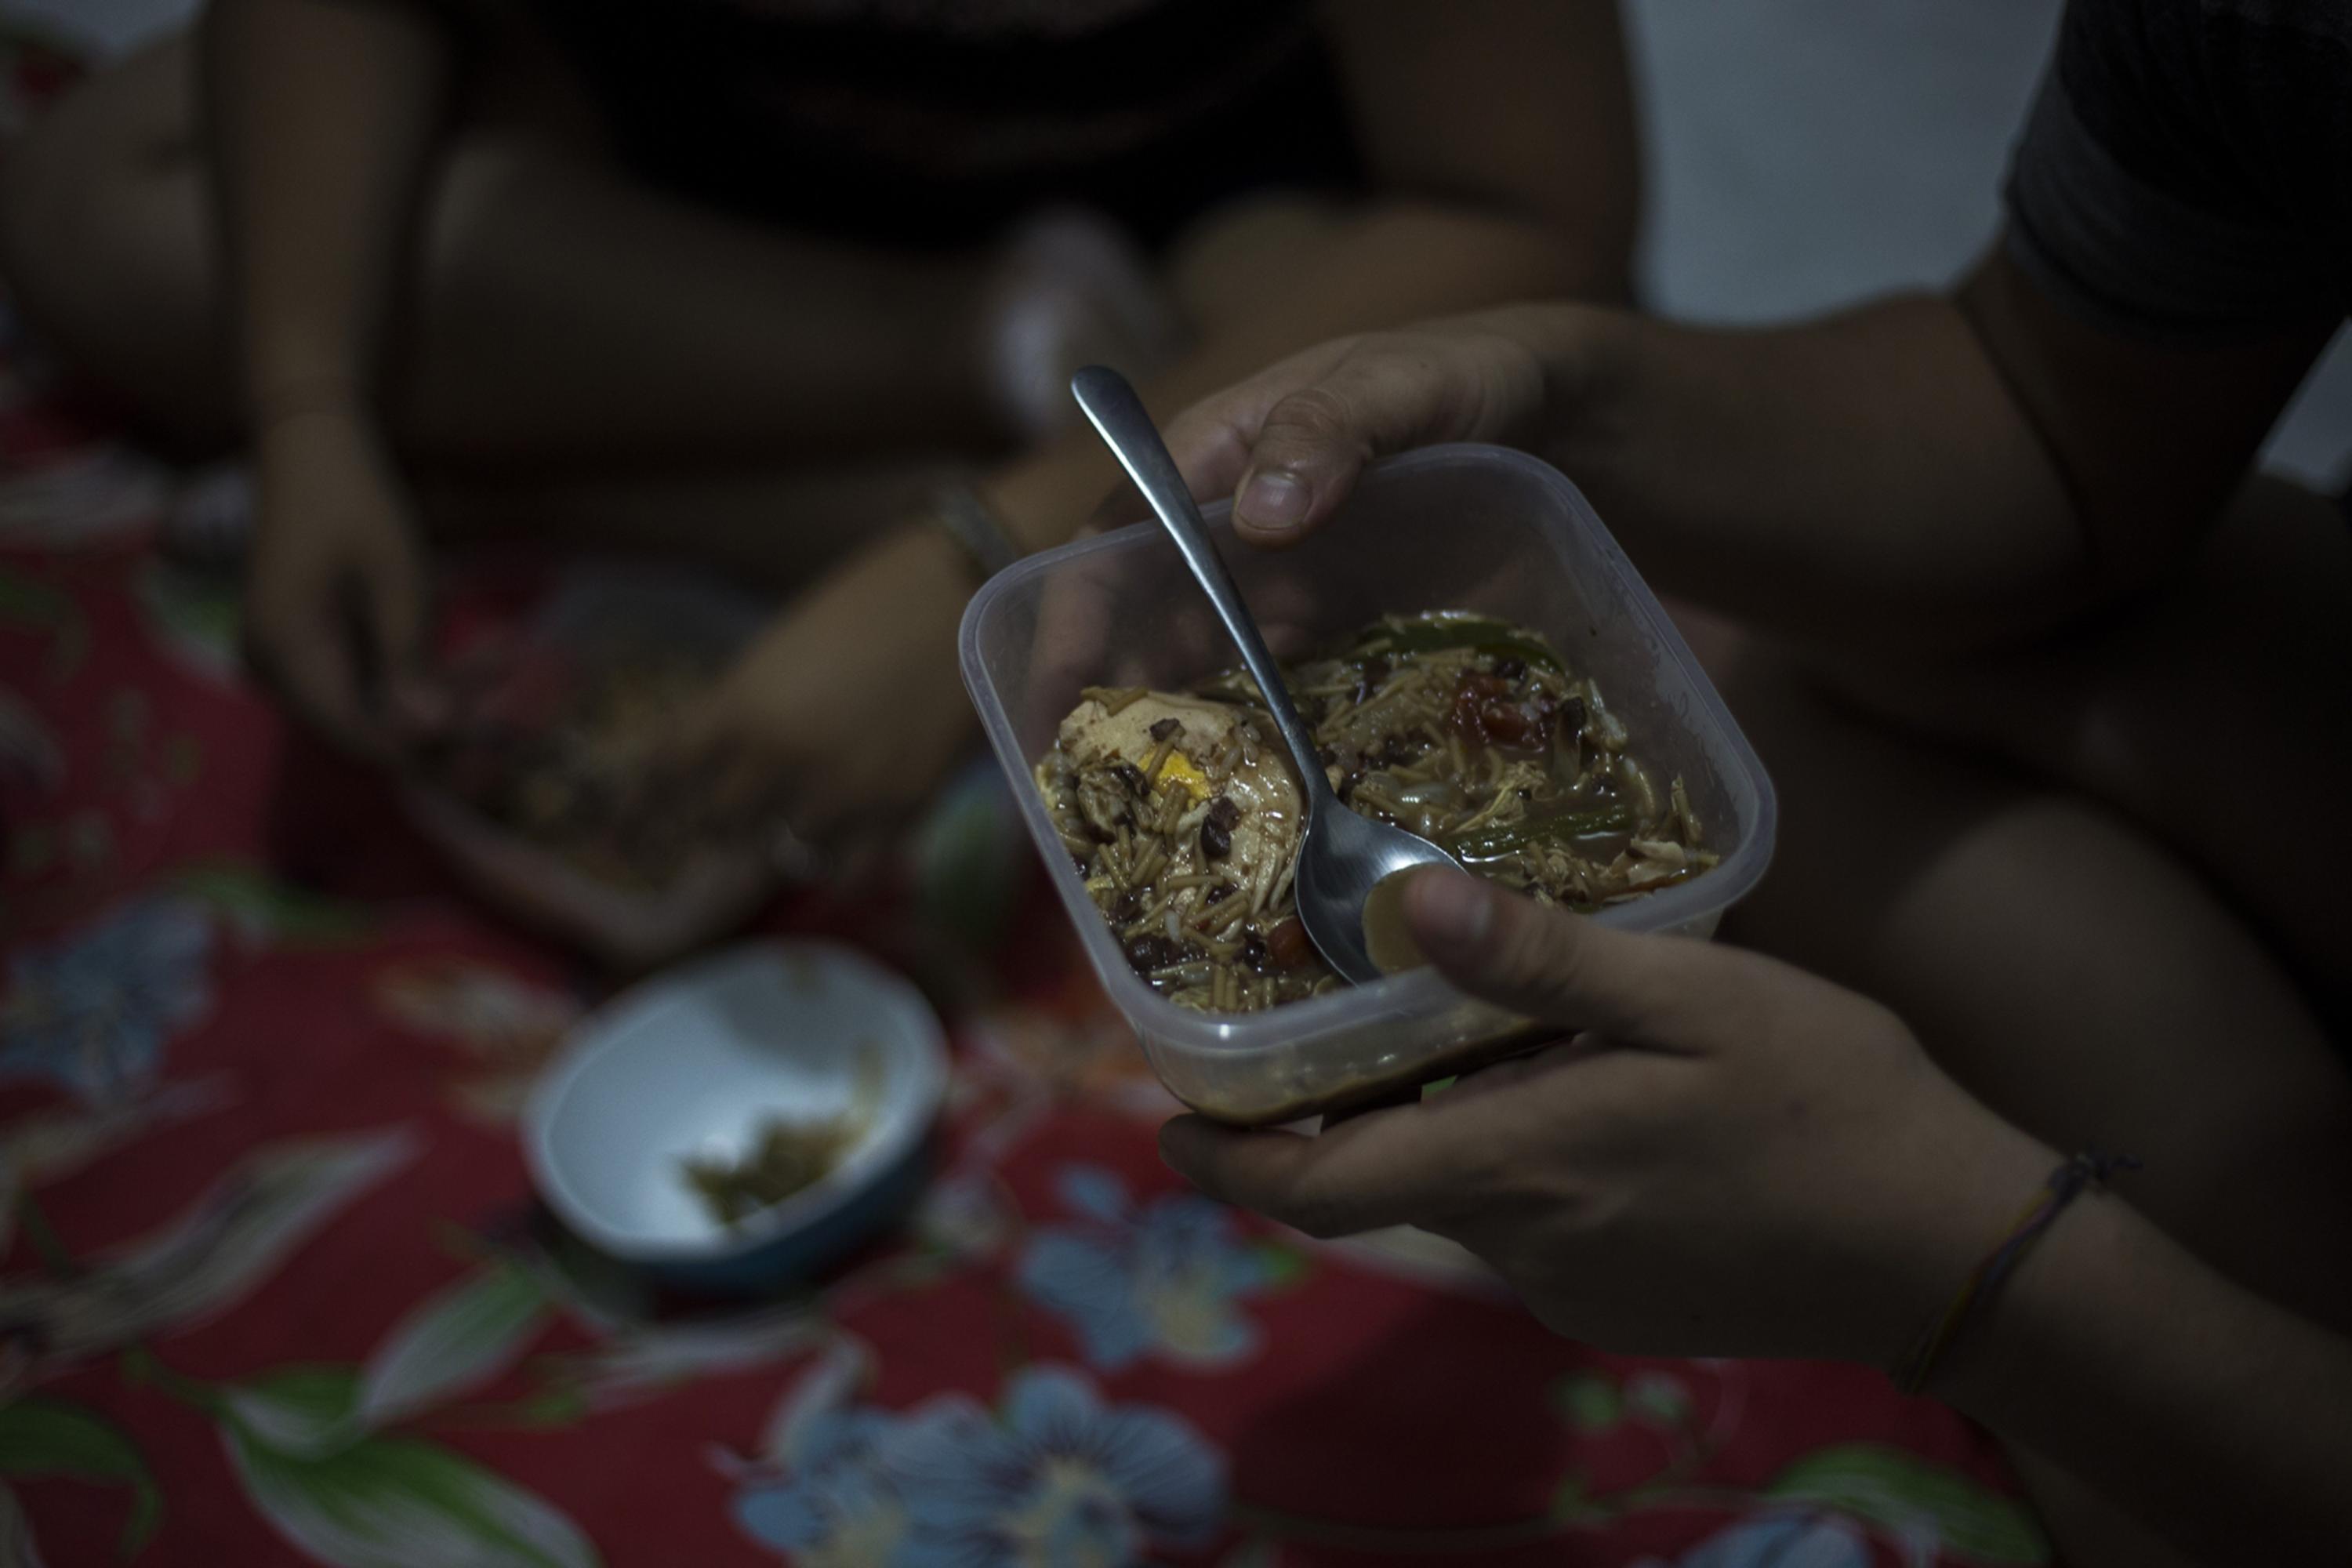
<point>2208,713</point>
<point>572,314</point>
<point>2069,967</point>
<point>782,527</point>
<point>2076,978</point>
<point>1219,266</point>
<point>2070,971</point>
<point>122,278</point>
<point>779,529</point>
<point>561,309</point>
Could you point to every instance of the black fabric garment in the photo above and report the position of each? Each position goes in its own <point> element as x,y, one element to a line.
<point>919,123</point>
<point>2186,170</point>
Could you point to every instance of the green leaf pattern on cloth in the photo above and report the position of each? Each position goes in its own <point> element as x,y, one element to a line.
<point>49,1145</point>
<point>1589,1402</point>
<point>229,1241</point>
<point>43,1437</point>
<point>453,1342</point>
<point>265,910</point>
<point>18,1548</point>
<point>1914,1498</point>
<point>386,1501</point>
<point>303,1412</point>
<point>195,615</point>
<point>1658,1399</point>
<point>641,1361</point>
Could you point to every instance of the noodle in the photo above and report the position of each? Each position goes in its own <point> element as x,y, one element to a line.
<point>1468,730</point>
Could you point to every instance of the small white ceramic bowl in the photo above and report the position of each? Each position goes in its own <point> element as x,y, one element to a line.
<point>694,1063</point>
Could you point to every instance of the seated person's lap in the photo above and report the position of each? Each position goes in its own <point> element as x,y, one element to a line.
<point>2200,712</point>
<point>2025,870</point>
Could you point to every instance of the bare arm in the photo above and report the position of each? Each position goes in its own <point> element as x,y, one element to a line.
<point>324,114</point>
<point>1515,116</point>
<point>2206,1410</point>
<point>1923,469</point>
<point>1498,139</point>
<point>1728,1156</point>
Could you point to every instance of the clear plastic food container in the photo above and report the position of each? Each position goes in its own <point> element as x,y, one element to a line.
<point>597,605</point>
<point>1461,527</point>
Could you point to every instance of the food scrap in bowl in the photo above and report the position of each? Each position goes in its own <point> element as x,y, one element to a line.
<point>1182,815</point>
<point>787,1156</point>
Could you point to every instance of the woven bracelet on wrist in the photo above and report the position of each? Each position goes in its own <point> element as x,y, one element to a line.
<point>964,518</point>
<point>2067,1183</point>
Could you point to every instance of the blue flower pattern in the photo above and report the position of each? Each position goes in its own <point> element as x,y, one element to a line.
<point>1783,1539</point>
<point>94,1012</point>
<point>1162,1280</point>
<point>836,1507</point>
<point>1054,1478</point>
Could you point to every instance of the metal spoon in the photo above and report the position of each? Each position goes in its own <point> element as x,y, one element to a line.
<point>1342,855</point>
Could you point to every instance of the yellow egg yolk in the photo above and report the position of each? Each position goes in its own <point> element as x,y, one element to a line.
<point>1177,773</point>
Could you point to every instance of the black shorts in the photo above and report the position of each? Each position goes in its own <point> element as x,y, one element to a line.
<point>862,130</point>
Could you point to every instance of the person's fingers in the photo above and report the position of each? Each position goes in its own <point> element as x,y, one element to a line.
<point>1300,452</point>
<point>396,611</point>
<point>1211,440</point>
<point>1669,992</point>
<point>311,669</point>
<point>1307,456</point>
<point>398,616</point>
<point>1383,1168</point>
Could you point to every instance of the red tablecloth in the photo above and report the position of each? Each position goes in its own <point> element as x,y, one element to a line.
<point>274,1290</point>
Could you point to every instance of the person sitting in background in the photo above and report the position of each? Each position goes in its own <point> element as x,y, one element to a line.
<point>740,275</point>
<point>2045,675</point>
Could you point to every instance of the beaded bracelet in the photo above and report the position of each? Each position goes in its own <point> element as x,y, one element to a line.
<point>2067,1183</point>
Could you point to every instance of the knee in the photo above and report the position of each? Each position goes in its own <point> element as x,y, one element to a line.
<point>68,188</point>
<point>106,248</point>
<point>46,212</point>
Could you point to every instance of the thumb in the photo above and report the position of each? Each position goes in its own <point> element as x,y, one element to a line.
<point>1670,993</point>
<point>1375,395</point>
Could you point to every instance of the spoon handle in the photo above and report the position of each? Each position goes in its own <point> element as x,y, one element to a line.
<point>1118,416</point>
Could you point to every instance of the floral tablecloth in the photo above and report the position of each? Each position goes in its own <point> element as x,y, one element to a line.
<point>274,1290</point>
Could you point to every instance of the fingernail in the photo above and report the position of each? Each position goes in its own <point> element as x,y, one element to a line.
<point>1449,910</point>
<point>1273,500</point>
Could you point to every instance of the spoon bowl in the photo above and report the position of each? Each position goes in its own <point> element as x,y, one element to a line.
<point>1342,854</point>
<point>1344,858</point>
